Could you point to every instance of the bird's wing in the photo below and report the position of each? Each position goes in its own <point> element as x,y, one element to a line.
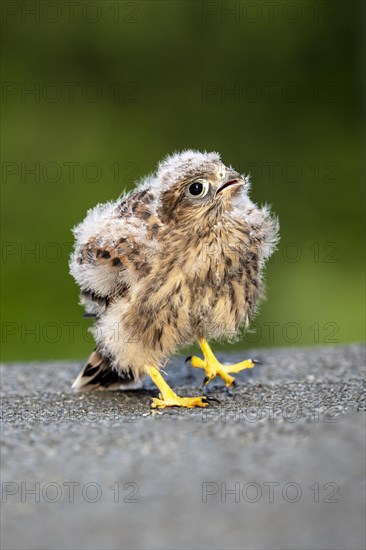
<point>115,246</point>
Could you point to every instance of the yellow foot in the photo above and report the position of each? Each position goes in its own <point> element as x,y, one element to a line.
<point>167,397</point>
<point>213,367</point>
<point>176,401</point>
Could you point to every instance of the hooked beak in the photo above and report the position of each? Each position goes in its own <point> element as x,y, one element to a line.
<point>230,183</point>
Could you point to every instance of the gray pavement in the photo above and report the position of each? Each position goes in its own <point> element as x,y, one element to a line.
<point>276,463</point>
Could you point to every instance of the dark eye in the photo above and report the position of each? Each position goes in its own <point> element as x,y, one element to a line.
<point>198,189</point>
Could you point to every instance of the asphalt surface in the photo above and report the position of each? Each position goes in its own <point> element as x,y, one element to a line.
<point>276,463</point>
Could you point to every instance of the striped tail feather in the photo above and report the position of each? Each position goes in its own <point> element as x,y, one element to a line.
<point>97,374</point>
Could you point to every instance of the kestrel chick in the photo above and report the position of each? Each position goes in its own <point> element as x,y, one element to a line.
<point>177,260</point>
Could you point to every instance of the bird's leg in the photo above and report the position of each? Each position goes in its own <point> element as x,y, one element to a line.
<point>213,368</point>
<point>168,398</point>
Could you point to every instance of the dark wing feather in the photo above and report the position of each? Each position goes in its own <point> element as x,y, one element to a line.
<point>114,248</point>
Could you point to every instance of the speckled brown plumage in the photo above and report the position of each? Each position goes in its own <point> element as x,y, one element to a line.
<point>160,267</point>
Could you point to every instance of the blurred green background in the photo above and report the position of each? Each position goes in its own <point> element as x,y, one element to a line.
<point>274,87</point>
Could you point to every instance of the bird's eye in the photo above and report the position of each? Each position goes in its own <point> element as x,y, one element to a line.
<point>198,189</point>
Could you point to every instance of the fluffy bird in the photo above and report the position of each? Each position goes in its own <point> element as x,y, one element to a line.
<point>178,259</point>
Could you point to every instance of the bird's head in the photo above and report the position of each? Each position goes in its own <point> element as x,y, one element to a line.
<point>197,188</point>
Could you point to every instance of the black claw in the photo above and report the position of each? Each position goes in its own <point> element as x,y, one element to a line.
<point>257,362</point>
<point>205,381</point>
<point>188,358</point>
<point>209,399</point>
